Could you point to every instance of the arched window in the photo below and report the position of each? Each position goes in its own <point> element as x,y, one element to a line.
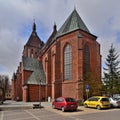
<point>68,62</point>
<point>86,59</point>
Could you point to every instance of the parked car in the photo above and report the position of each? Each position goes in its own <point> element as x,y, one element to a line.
<point>98,102</point>
<point>118,99</point>
<point>114,102</point>
<point>65,103</point>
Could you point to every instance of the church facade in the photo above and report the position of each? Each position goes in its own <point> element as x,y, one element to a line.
<point>69,61</point>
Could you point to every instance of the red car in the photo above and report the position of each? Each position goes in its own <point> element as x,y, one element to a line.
<point>65,103</point>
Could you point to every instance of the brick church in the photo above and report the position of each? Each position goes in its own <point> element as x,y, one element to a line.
<point>69,61</point>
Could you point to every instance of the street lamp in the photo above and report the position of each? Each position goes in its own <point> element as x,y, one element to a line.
<point>39,94</point>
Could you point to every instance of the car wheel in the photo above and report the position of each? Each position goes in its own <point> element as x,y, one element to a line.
<point>85,105</point>
<point>53,106</point>
<point>98,107</point>
<point>75,109</point>
<point>111,105</point>
<point>63,109</point>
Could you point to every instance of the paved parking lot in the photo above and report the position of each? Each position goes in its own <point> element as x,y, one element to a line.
<point>46,113</point>
<point>32,114</point>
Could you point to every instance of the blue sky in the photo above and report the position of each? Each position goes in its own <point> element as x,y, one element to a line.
<point>102,18</point>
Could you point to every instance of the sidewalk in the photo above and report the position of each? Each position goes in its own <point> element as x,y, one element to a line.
<point>11,105</point>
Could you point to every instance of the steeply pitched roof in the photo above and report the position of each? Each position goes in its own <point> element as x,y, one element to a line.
<point>34,40</point>
<point>73,22</point>
<point>37,72</point>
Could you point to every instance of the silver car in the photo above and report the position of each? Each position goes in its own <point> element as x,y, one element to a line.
<point>114,102</point>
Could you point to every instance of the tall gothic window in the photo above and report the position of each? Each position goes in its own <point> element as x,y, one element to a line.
<point>68,62</point>
<point>86,59</point>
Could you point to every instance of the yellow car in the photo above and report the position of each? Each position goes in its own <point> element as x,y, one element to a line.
<point>98,102</point>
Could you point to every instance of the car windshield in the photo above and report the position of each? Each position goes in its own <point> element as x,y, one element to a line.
<point>105,99</point>
<point>114,99</point>
<point>118,99</point>
<point>69,100</point>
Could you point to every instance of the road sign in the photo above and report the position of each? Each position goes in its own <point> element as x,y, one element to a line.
<point>87,88</point>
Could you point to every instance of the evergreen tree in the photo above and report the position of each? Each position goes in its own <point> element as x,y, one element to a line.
<point>112,72</point>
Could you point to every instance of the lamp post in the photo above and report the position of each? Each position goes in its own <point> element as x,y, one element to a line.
<point>39,94</point>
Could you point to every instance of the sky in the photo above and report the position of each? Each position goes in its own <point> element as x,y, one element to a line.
<point>102,17</point>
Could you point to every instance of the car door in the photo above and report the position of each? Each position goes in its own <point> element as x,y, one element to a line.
<point>59,103</point>
<point>95,102</point>
<point>90,102</point>
<point>55,103</point>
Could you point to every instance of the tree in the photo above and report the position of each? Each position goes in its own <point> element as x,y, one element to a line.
<point>91,79</point>
<point>4,85</point>
<point>112,72</point>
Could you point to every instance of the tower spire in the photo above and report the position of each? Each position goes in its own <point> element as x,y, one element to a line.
<point>54,27</point>
<point>74,7</point>
<point>34,26</point>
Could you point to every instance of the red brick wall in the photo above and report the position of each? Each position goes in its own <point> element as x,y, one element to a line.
<point>19,88</point>
<point>25,75</point>
<point>34,91</point>
<point>25,94</point>
<point>13,89</point>
<point>69,87</point>
<point>56,85</point>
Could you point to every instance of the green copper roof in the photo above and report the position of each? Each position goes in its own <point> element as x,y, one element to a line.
<point>37,72</point>
<point>74,22</point>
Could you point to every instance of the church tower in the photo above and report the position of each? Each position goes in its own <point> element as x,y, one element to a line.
<point>33,45</point>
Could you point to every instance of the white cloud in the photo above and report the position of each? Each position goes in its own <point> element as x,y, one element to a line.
<point>16,17</point>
